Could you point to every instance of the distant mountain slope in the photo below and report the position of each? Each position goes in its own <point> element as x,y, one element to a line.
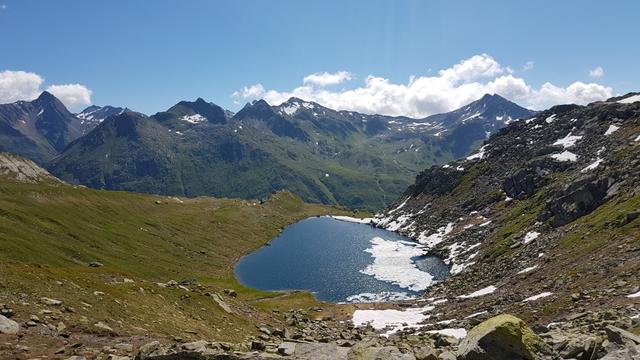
<point>323,155</point>
<point>38,129</point>
<point>94,115</point>
<point>549,205</point>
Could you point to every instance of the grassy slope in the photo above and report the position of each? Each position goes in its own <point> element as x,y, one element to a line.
<point>49,233</point>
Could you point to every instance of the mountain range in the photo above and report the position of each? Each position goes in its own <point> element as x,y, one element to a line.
<point>198,148</point>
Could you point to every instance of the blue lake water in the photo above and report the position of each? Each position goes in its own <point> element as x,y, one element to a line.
<point>326,256</point>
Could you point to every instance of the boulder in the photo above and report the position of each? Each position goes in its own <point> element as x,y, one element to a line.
<point>149,350</point>
<point>504,337</point>
<point>8,326</point>
<point>620,336</point>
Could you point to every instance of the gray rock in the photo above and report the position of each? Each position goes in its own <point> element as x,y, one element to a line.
<point>424,353</point>
<point>149,350</point>
<point>287,348</point>
<point>8,326</point>
<point>620,336</point>
<point>503,337</point>
<point>52,302</point>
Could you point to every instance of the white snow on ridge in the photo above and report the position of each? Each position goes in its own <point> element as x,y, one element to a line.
<point>565,156</point>
<point>290,109</point>
<point>637,139</point>
<point>611,130</point>
<point>530,236</point>
<point>592,166</point>
<point>435,238</point>
<point>194,119</point>
<point>635,295</point>
<point>550,119</point>
<point>392,262</point>
<point>476,314</point>
<point>484,291</point>
<point>629,100</point>
<point>526,270</point>
<point>568,141</point>
<point>352,219</point>
<point>400,206</point>
<point>478,155</point>
<point>539,296</point>
<point>391,318</point>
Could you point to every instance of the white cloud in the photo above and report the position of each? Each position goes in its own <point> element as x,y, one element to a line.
<point>598,72</point>
<point>528,66</point>
<point>425,95</point>
<point>71,95</point>
<point>252,91</point>
<point>19,85</point>
<point>326,79</point>
<point>22,85</point>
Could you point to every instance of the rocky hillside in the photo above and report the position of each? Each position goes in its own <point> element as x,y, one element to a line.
<point>333,157</point>
<point>23,170</point>
<point>542,221</point>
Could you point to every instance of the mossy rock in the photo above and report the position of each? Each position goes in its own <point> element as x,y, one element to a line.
<point>504,337</point>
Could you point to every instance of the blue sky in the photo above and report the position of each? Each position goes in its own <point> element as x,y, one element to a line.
<point>148,55</point>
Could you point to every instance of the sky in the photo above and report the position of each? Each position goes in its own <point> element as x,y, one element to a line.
<point>412,58</point>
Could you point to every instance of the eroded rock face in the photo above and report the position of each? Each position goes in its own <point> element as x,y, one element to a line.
<point>22,169</point>
<point>504,337</point>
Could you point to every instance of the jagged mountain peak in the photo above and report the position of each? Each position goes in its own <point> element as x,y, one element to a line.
<point>187,113</point>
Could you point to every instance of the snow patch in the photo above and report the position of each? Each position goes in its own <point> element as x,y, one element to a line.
<point>550,119</point>
<point>479,155</point>
<point>290,109</point>
<point>568,141</point>
<point>484,291</point>
<point>396,320</point>
<point>193,119</point>
<point>458,333</point>
<point>634,295</point>
<point>565,156</point>
<point>530,236</point>
<point>592,166</point>
<point>611,130</point>
<point>435,238</point>
<point>476,314</point>
<point>539,296</point>
<point>630,99</point>
<point>529,269</point>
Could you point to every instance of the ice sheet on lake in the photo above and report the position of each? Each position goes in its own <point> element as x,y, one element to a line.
<point>384,296</point>
<point>352,219</point>
<point>392,262</point>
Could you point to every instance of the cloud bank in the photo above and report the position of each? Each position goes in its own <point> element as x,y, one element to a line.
<point>425,95</point>
<point>22,85</point>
